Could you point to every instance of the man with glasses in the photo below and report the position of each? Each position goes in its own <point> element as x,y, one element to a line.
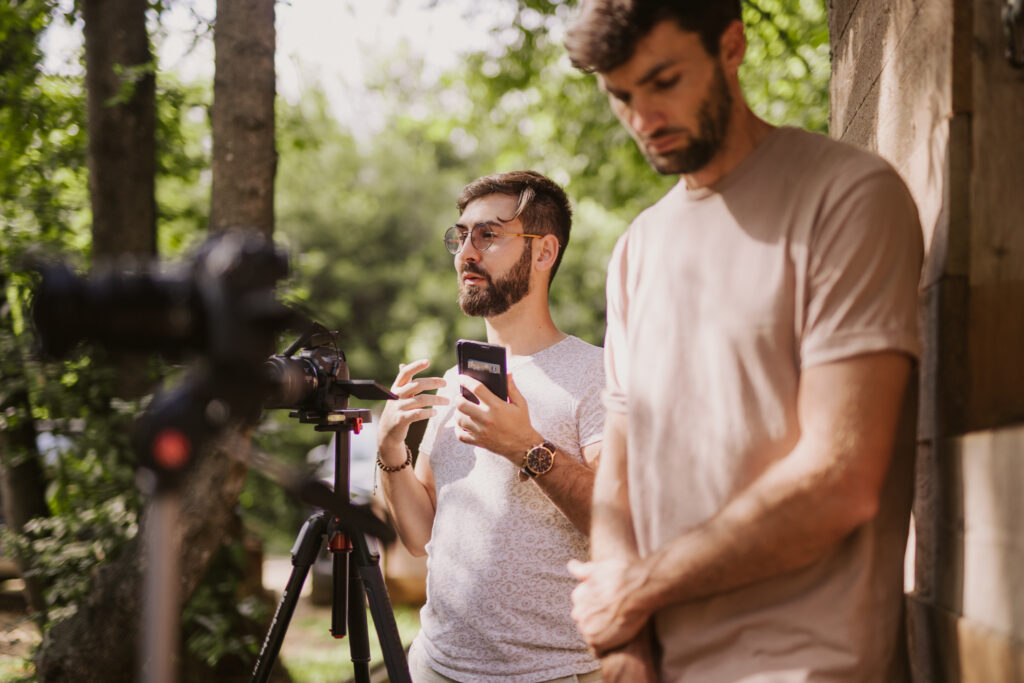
<point>497,521</point>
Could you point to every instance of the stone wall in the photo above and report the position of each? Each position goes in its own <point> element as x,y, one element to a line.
<point>925,83</point>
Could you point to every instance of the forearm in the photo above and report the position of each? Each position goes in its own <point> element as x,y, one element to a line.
<point>804,504</point>
<point>786,520</point>
<point>410,503</point>
<point>611,533</point>
<point>570,486</point>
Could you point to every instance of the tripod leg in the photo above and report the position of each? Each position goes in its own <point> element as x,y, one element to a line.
<point>340,559</point>
<point>304,553</point>
<point>372,581</point>
<point>359,639</point>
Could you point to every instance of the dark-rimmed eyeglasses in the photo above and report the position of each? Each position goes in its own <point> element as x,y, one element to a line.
<point>482,237</point>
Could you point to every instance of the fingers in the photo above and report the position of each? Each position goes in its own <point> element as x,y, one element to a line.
<point>406,371</point>
<point>419,402</point>
<point>418,386</point>
<point>479,390</point>
<point>514,396</point>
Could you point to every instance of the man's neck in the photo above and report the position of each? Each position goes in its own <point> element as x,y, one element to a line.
<point>524,329</point>
<point>746,132</point>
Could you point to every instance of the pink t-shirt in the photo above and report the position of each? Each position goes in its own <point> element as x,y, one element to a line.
<point>808,252</point>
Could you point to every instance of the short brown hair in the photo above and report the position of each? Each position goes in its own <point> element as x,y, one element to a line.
<point>604,35</point>
<point>541,204</point>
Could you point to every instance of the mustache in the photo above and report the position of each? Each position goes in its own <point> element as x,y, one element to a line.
<point>663,132</point>
<point>474,269</point>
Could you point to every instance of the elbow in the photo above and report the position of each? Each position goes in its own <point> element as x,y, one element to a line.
<point>414,546</point>
<point>859,505</point>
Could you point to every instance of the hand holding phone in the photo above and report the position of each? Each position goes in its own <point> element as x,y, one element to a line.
<point>485,363</point>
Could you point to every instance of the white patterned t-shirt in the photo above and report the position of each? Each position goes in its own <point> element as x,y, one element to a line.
<point>498,591</point>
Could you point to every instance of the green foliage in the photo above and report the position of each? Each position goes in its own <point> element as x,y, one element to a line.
<point>183,163</point>
<point>786,72</point>
<point>218,621</point>
<point>67,549</point>
<point>370,260</point>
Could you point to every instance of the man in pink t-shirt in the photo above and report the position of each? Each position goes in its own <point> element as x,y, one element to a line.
<point>752,501</point>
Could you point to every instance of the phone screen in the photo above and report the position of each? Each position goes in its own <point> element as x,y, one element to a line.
<point>483,362</point>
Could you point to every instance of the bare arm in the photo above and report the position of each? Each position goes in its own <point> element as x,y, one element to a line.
<point>611,532</point>
<point>611,537</point>
<point>791,516</point>
<point>409,494</point>
<point>505,429</point>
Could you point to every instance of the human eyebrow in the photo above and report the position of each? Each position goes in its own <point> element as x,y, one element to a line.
<point>648,76</point>
<point>655,71</point>
<point>486,224</point>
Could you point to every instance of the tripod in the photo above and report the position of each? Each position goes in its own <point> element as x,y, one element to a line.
<point>344,533</point>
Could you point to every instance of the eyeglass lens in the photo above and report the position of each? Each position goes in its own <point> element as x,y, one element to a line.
<point>481,238</point>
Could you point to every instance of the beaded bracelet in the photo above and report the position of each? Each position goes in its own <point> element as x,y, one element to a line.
<point>387,468</point>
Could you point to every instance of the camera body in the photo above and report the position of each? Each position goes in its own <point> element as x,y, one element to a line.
<point>312,378</point>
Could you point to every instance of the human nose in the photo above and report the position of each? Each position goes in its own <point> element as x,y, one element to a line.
<point>645,117</point>
<point>467,251</point>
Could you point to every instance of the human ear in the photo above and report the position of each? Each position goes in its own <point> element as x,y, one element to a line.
<point>732,46</point>
<point>545,252</point>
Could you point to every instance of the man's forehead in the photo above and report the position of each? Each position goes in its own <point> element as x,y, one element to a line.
<point>493,207</point>
<point>663,47</point>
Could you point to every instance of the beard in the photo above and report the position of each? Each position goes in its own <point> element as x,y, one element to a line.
<point>499,295</point>
<point>713,122</point>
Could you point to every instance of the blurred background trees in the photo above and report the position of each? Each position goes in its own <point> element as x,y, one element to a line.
<point>361,209</point>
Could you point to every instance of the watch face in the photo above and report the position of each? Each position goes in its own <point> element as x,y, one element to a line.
<point>539,460</point>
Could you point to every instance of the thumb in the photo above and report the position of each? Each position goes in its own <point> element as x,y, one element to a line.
<point>580,570</point>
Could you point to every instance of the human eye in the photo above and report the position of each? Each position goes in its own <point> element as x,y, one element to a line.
<point>619,96</point>
<point>665,83</point>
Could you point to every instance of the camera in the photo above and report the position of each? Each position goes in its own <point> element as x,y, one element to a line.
<point>219,306</point>
<point>311,377</point>
<point>220,303</point>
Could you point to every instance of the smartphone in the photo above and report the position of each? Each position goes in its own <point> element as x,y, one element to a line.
<point>484,362</point>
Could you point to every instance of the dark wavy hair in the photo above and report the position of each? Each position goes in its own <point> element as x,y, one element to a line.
<point>541,204</point>
<point>604,35</point>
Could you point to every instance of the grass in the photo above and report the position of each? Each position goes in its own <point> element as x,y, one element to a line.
<point>312,655</point>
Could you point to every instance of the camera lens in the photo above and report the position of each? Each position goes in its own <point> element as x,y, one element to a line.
<point>292,381</point>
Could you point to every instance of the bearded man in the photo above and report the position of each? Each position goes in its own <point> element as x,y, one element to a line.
<point>497,521</point>
<point>752,505</point>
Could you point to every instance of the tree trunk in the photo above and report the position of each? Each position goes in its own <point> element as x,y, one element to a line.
<point>121,109</point>
<point>244,158</point>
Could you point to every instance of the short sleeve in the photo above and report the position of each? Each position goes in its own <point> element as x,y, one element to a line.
<point>616,351</point>
<point>590,413</point>
<point>863,272</point>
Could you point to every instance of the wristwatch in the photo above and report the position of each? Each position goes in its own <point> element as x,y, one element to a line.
<point>539,459</point>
